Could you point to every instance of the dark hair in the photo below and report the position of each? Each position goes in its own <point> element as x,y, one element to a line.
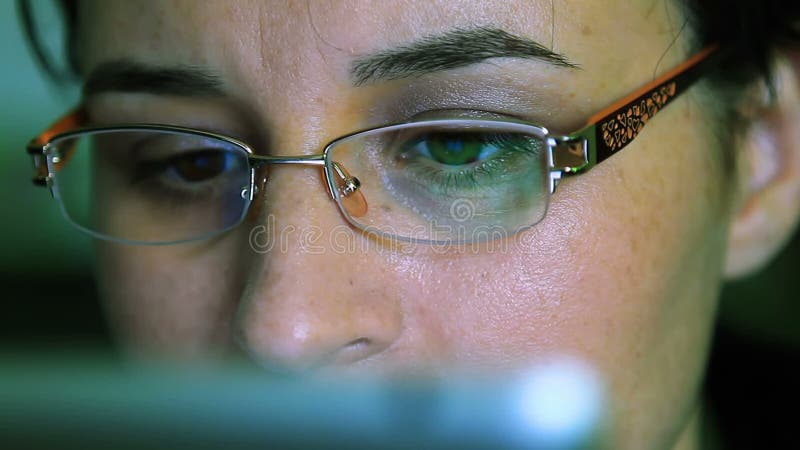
<point>69,12</point>
<point>754,29</point>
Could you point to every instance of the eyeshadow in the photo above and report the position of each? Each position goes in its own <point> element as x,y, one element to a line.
<point>478,89</point>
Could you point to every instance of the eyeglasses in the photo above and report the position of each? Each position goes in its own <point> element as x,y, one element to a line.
<point>432,181</point>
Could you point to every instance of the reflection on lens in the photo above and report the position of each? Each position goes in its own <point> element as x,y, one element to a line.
<point>152,186</point>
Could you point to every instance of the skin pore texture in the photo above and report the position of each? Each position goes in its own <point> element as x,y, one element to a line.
<point>623,273</point>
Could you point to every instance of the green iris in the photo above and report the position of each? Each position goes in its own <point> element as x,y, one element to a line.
<point>455,149</point>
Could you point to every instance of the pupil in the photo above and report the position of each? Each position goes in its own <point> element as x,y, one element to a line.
<point>200,166</point>
<point>455,150</point>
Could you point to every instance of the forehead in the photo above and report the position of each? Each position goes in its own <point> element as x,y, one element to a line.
<point>292,59</point>
<point>348,24</point>
<point>284,33</point>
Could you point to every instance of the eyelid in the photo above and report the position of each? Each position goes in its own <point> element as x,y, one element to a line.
<point>465,113</point>
<point>528,98</point>
<point>169,145</point>
<point>126,109</point>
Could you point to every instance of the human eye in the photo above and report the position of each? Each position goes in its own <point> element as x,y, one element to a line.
<point>188,169</point>
<point>452,149</point>
<point>466,162</point>
<point>187,166</point>
<point>168,168</point>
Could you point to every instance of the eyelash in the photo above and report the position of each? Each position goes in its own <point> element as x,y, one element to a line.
<point>468,177</point>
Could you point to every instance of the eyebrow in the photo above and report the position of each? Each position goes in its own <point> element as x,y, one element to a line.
<point>131,76</point>
<point>456,48</point>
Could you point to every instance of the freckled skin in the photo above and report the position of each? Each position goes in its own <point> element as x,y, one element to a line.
<point>623,273</point>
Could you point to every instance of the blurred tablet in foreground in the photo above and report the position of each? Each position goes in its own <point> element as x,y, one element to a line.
<point>71,405</point>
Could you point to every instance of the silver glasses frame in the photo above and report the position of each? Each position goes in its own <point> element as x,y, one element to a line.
<point>575,149</point>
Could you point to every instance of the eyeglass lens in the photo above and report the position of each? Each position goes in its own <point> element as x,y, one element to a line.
<point>420,182</point>
<point>151,186</point>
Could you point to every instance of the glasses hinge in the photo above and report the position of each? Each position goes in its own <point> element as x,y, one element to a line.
<point>41,176</point>
<point>569,154</point>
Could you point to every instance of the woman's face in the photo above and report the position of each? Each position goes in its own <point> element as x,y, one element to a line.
<point>623,273</point>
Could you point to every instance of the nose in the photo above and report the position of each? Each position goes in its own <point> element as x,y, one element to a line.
<point>316,296</point>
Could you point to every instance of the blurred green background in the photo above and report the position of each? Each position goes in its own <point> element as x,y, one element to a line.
<point>31,233</point>
<point>45,266</point>
<point>50,302</point>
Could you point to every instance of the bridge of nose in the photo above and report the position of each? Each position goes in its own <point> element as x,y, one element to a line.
<point>316,296</point>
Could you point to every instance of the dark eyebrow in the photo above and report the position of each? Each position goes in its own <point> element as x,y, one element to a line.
<point>130,76</point>
<point>455,48</point>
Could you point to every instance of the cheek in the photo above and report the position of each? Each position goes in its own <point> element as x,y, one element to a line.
<point>174,300</point>
<point>623,273</point>
<point>604,277</point>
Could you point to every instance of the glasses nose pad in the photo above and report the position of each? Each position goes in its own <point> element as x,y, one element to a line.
<point>349,188</point>
<point>250,194</point>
